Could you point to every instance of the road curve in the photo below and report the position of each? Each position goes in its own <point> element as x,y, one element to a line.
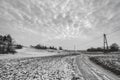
<point>90,72</point>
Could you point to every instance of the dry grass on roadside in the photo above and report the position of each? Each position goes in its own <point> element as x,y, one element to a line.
<point>111,63</point>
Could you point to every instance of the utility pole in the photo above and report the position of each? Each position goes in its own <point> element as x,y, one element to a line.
<point>105,43</point>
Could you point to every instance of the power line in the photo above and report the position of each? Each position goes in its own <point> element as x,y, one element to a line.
<point>97,38</point>
<point>113,32</point>
<point>91,41</point>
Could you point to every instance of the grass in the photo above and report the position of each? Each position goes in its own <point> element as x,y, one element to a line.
<point>111,63</point>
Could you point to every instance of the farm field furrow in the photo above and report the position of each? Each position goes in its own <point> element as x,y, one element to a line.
<point>39,68</point>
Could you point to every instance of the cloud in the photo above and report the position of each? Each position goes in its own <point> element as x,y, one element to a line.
<point>25,29</point>
<point>61,19</point>
<point>41,15</point>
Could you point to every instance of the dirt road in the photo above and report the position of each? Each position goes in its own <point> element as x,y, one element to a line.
<point>92,72</point>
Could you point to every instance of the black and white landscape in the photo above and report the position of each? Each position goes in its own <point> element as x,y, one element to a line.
<point>59,40</point>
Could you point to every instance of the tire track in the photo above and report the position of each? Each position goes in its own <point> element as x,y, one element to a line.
<point>89,72</point>
<point>86,73</point>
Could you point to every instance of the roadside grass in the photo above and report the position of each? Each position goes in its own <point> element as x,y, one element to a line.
<point>111,63</point>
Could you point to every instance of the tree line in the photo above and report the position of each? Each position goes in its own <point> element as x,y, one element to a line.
<point>112,48</point>
<point>7,44</point>
<point>38,46</point>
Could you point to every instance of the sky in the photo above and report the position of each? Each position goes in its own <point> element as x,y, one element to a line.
<point>67,23</point>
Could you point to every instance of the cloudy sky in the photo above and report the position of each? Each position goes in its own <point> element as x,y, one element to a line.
<point>61,22</point>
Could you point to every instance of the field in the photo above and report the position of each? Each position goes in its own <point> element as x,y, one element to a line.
<point>39,68</point>
<point>111,63</point>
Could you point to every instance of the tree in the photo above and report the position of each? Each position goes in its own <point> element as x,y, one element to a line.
<point>9,38</point>
<point>18,46</point>
<point>95,49</point>
<point>4,38</point>
<point>6,44</point>
<point>91,49</point>
<point>114,47</point>
<point>60,48</point>
<point>99,49</point>
<point>1,37</point>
